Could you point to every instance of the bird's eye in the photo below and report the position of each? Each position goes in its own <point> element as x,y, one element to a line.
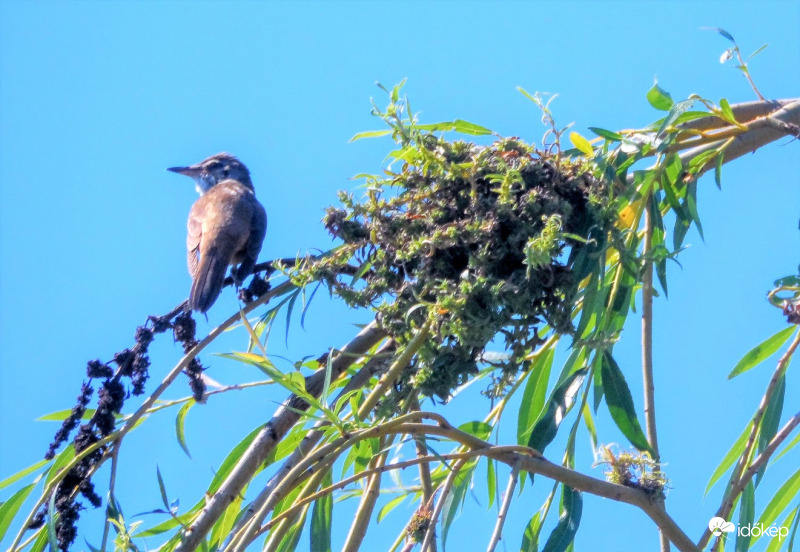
<point>226,170</point>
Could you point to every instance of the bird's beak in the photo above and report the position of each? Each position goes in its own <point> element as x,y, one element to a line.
<point>193,171</point>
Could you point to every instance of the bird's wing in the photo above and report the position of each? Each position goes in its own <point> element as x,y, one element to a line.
<point>258,230</point>
<point>194,235</point>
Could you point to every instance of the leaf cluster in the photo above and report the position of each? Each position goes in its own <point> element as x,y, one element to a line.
<point>479,240</point>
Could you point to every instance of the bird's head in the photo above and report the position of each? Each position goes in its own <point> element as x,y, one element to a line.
<point>215,169</point>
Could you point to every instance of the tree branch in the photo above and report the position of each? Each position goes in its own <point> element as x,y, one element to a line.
<point>739,472</point>
<point>274,431</point>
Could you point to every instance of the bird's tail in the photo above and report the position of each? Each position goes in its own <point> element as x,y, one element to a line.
<point>208,283</point>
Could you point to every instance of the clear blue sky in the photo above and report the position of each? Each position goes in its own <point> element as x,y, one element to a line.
<point>97,99</point>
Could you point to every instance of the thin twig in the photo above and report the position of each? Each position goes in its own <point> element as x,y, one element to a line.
<point>501,516</point>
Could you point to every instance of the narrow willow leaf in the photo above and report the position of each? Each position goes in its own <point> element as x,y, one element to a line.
<point>776,544</point>
<point>491,482</point>
<point>9,508</point>
<point>607,134</point>
<point>534,394</point>
<point>530,538</point>
<point>568,522</point>
<point>559,404</point>
<point>620,403</point>
<point>771,420</point>
<point>180,421</point>
<point>64,457</point>
<point>730,457</point>
<point>747,512</point>
<point>780,501</point>
<point>391,505</point>
<point>723,32</point>
<point>718,169</point>
<point>674,116</point>
<point>673,167</point>
<point>691,206</point>
<point>62,415</point>
<point>727,111</point>
<point>465,127</point>
<point>22,473</point>
<point>321,519</point>
<point>659,98</point>
<point>588,420</point>
<point>789,446</point>
<point>370,134</point>
<point>455,499</point>
<point>761,352</point>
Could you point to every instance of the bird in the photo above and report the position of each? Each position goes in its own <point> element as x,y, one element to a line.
<point>226,226</point>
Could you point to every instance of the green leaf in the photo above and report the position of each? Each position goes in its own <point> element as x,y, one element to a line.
<point>534,394</point>
<point>607,134</point>
<point>180,421</point>
<point>530,538</point>
<point>455,499</point>
<point>718,169</point>
<point>723,32</point>
<point>747,512</point>
<point>754,54</point>
<point>491,481</point>
<point>771,420</point>
<point>559,404</point>
<point>465,127</point>
<point>568,522</point>
<point>730,457</point>
<point>22,473</point>
<point>581,143</point>
<point>761,352</point>
<point>391,505</point>
<point>9,508</point>
<point>481,430</point>
<point>673,167</point>
<point>727,111</point>
<point>62,415</point>
<point>793,443</point>
<point>659,98</point>
<point>64,457</point>
<point>776,544</point>
<point>162,489</point>
<point>675,115</point>
<point>370,134</point>
<point>691,205</point>
<point>321,519</point>
<point>780,501</point>
<point>620,403</point>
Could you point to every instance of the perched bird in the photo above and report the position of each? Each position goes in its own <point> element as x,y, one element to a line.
<point>226,226</point>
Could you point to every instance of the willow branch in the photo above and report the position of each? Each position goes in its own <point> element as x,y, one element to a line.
<point>373,366</point>
<point>647,331</point>
<point>273,432</point>
<point>738,474</point>
<point>501,516</point>
<point>367,505</point>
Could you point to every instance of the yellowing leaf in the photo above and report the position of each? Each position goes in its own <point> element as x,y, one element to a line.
<point>581,143</point>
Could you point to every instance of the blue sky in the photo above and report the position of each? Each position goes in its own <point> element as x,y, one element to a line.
<point>97,99</point>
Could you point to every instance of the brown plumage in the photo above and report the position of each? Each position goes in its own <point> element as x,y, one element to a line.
<point>226,227</point>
